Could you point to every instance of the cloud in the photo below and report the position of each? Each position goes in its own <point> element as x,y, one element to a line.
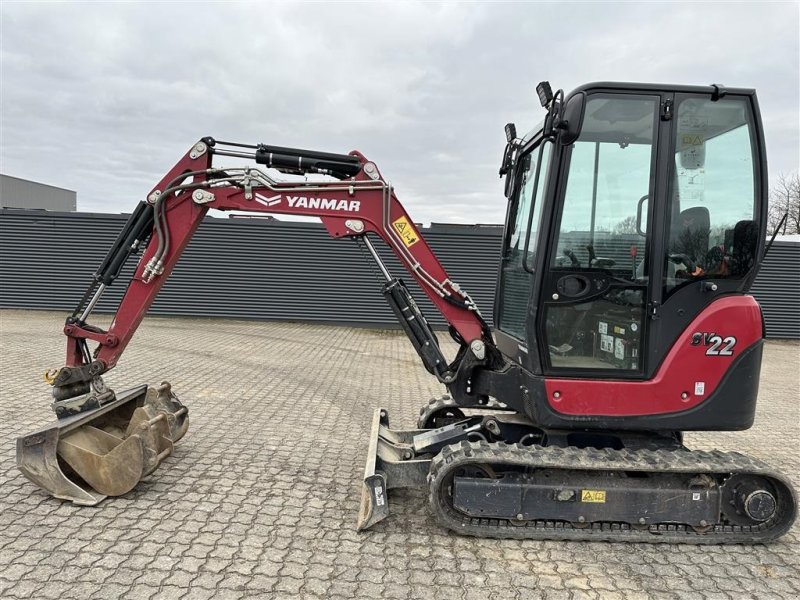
<point>103,99</point>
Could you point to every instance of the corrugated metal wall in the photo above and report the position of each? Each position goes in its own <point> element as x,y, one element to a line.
<point>243,268</point>
<point>253,268</point>
<point>777,289</point>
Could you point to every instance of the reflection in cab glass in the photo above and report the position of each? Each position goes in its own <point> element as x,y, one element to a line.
<point>595,318</point>
<point>515,280</point>
<point>713,233</point>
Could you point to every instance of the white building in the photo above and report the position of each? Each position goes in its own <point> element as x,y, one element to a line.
<point>21,193</point>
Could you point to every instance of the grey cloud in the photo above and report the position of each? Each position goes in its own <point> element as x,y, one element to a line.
<point>104,98</point>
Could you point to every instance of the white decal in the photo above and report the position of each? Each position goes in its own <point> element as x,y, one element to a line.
<point>271,201</point>
<point>699,388</point>
<point>323,203</point>
<point>729,342</point>
<point>607,343</point>
<point>717,341</point>
<point>718,346</point>
<point>379,499</point>
<point>602,327</point>
<point>619,349</point>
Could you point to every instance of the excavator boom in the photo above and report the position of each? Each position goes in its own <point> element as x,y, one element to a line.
<point>102,442</point>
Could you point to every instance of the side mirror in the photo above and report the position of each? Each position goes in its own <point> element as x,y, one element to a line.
<point>571,119</point>
<point>507,165</point>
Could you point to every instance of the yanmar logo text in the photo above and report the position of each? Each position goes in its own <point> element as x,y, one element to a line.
<point>311,203</point>
<point>323,203</point>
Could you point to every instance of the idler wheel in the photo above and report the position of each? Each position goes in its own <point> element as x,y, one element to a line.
<point>748,500</point>
<point>759,505</point>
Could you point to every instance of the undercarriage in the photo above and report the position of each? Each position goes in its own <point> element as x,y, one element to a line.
<point>498,475</point>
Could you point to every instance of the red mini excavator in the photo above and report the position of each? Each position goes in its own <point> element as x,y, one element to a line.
<point>636,225</point>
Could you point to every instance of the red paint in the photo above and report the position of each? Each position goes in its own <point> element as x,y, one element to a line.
<point>738,316</point>
<point>101,337</point>
<point>184,216</point>
<point>371,211</point>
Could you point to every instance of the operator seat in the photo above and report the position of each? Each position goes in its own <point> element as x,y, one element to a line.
<point>690,233</point>
<point>745,243</point>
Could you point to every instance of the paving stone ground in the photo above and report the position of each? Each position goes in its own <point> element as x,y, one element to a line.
<point>260,498</point>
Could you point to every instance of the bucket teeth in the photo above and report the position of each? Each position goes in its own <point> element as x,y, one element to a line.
<point>105,451</point>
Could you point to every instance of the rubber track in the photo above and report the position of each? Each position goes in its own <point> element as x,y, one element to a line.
<point>591,459</point>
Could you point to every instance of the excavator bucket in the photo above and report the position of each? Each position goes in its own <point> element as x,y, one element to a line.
<point>105,451</point>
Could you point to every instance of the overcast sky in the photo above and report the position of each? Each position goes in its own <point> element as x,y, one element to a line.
<point>103,99</point>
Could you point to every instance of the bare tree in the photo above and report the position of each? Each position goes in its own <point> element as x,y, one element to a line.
<point>627,225</point>
<point>784,198</point>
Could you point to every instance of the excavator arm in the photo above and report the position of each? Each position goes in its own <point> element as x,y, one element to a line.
<point>352,201</point>
<point>103,443</point>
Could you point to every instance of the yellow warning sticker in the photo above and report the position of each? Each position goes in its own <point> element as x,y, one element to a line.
<point>406,230</point>
<point>692,139</point>
<point>593,496</point>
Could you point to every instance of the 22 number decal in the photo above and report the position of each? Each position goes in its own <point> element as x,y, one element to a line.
<point>717,341</point>
<point>717,345</point>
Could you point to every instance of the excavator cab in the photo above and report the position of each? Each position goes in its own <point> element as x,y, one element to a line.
<point>635,227</point>
<point>636,209</point>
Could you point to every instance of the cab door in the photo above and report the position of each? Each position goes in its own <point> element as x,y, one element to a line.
<point>596,291</point>
<point>714,214</point>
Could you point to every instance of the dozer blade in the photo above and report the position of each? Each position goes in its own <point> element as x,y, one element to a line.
<point>391,463</point>
<point>374,503</point>
<point>107,450</point>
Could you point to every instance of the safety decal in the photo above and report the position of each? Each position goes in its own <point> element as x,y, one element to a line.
<point>406,230</point>
<point>598,496</point>
<point>380,500</point>
<point>691,139</point>
<point>606,343</point>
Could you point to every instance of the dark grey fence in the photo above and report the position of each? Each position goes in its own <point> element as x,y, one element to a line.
<point>255,268</point>
<point>243,268</point>
<point>777,289</point>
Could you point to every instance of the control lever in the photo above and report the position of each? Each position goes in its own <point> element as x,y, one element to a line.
<point>571,256</point>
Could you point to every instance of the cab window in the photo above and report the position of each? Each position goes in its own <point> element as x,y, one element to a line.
<point>712,213</point>
<point>524,216</point>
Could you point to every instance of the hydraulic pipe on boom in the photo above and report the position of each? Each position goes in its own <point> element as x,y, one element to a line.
<point>361,204</point>
<point>353,201</point>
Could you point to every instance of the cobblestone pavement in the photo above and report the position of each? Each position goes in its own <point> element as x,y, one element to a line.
<point>260,498</point>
